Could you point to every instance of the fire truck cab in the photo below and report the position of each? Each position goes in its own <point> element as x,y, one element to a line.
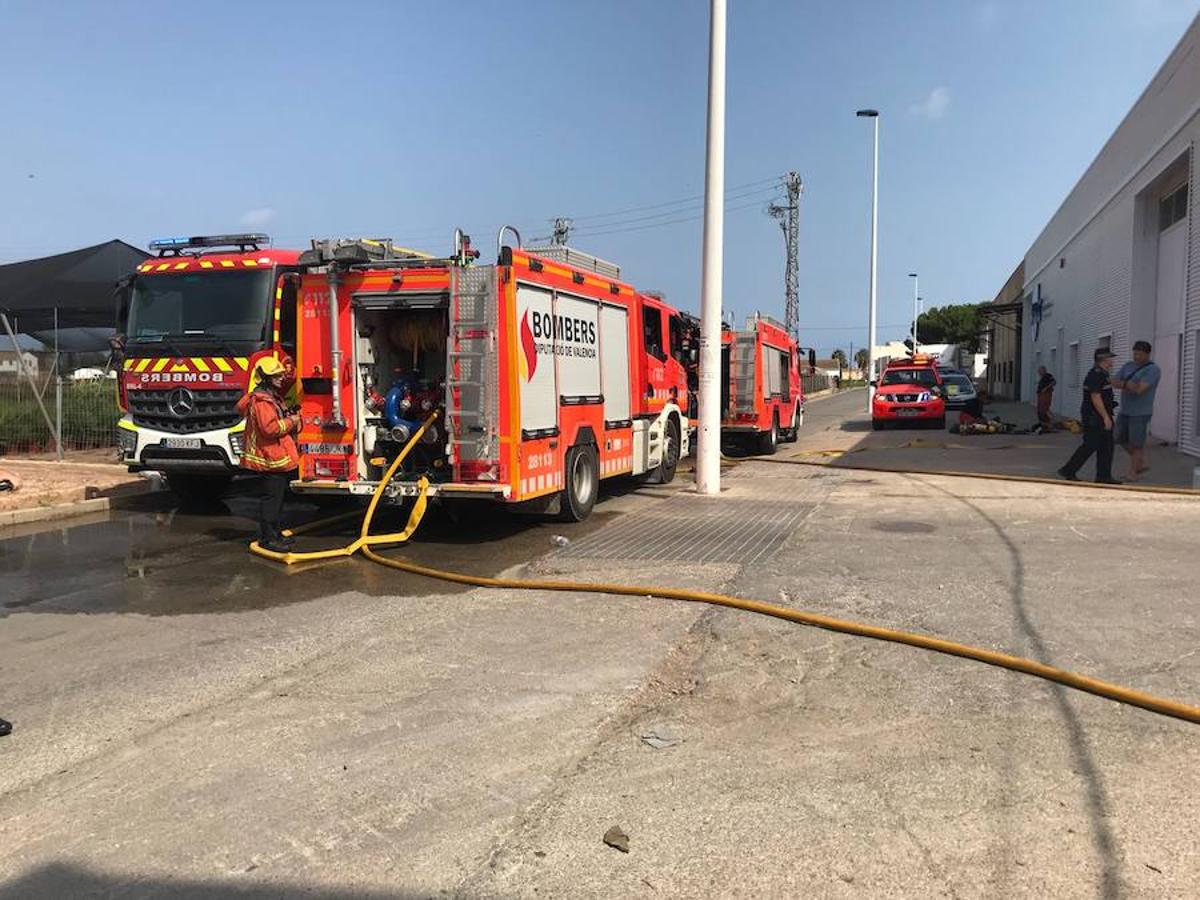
<point>549,374</point>
<point>762,399</point>
<point>197,318</point>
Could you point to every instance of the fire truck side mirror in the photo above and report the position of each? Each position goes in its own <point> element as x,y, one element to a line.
<point>122,294</point>
<point>812,358</point>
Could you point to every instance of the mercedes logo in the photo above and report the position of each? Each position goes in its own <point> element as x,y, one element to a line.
<point>181,402</point>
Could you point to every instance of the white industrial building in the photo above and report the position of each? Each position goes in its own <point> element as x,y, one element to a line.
<point>1120,261</point>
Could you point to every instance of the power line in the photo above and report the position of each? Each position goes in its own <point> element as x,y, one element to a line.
<point>681,201</point>
<point>695,218</point>
<point>736,192</point>
<point>690,208</point>
<point>857,327</point>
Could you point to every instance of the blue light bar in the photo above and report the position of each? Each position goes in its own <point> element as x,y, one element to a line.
<point>253,239</point>
<point>169,243</point>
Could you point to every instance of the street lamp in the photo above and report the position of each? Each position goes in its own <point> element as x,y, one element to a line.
<point>872,114</point>
<point>916,284</point>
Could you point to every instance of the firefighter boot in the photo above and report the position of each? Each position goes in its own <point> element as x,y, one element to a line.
<point>272,539</point>
<point>278,537</point>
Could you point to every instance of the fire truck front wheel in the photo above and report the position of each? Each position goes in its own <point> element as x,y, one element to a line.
<point>670,452</point>
<point>582,483</point>
<point>768,441</point>
<point>791,434</point>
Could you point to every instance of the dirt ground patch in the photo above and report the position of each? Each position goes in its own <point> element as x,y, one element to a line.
<point>41,483</point>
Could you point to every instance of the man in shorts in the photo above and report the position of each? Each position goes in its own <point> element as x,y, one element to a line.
<point>1138,382</point>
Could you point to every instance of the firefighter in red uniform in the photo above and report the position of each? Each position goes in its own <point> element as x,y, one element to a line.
<point>270,448</point>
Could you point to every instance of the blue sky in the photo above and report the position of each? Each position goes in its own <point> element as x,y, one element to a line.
<point>406,119</point>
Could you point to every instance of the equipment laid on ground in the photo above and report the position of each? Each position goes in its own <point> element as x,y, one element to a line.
<point>547,373</point>
<point>762,399</point>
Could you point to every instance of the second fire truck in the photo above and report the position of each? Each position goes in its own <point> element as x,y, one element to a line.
<point>549,374</point>
<point>762,399</point>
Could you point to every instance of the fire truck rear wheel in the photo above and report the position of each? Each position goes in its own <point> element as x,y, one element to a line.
<point>582,483</point>
<point>768,441</point>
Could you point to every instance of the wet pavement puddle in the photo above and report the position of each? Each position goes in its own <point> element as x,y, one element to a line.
<point>158,560</point>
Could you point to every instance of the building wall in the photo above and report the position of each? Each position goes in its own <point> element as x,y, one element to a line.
<point>1003,363</point>
<point>1094,264</point>
<point>1003,373</point>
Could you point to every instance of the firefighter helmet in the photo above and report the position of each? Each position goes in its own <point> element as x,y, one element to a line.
<point>267,367</point>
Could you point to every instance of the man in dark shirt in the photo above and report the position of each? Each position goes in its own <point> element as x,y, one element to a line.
<point>1096,414</point>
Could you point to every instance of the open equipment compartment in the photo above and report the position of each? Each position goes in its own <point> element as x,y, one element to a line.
<point>400,366</point>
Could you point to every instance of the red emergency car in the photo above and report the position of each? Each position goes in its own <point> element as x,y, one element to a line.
<point>910,390</point>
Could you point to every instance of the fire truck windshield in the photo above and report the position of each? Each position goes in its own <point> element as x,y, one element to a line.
<point>229,308</point>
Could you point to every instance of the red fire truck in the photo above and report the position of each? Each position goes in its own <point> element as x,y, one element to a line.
<point>550,374</point>
<point>197,319</point>
<point>762,400</point>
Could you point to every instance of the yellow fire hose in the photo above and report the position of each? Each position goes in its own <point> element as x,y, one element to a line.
<point>365,542</point>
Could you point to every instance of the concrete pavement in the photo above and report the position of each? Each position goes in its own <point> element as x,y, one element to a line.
<point>1028,455</point>
<point>360,742</point>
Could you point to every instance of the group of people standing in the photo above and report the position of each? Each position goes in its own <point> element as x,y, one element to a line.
<point>1137,381</point>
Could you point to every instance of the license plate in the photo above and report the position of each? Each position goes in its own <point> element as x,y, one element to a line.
<point>327,449</point>
<point>181,443</point>
<point>905,413</point>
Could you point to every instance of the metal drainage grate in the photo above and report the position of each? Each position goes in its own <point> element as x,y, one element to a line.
<point>743,532</point>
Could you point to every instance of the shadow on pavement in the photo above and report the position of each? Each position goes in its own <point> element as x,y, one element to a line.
<point>1103,839</point>
<point>63,880</point>
<point>856,425</point>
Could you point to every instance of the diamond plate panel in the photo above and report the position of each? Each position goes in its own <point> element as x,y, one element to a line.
<point>697,531</point>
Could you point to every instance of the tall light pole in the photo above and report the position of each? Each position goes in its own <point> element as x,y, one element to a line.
<point>916,299</point>
<point>708,449</point>
<point>872,114</point>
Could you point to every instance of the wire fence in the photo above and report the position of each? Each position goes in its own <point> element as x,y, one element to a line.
<point>818,381</point>
<point>88,411</point>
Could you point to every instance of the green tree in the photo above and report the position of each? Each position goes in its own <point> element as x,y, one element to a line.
<point>958,323</point>
<point>839,357</point>
<point>862,356</point>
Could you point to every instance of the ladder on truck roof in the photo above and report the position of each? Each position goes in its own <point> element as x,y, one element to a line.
<point>473,374</point>
<point>361,252</point>
<point>580,259</point>
<point>751,321</point>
